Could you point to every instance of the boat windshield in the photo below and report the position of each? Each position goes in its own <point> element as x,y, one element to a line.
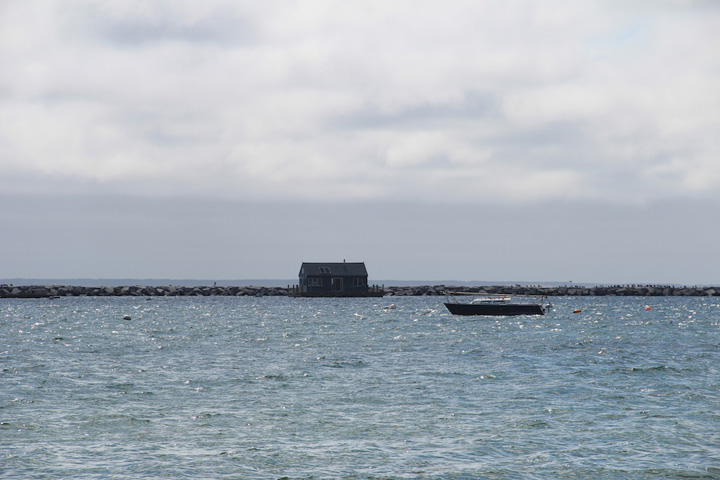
<point>491,300</point>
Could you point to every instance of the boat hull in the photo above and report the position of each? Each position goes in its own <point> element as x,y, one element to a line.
<point>501,309</point>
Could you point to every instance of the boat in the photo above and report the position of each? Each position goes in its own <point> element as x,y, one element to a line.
<point>498,305</point>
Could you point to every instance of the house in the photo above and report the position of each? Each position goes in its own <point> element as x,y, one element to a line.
<point>346,279</point>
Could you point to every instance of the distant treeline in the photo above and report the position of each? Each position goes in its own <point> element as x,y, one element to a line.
<point>52,291</point>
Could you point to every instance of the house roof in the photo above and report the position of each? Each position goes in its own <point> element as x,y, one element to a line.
<point>354,269</point>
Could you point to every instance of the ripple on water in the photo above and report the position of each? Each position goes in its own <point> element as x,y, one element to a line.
<point>346,388</point>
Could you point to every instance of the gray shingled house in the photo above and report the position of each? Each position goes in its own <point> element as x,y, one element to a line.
<point>346,279</point>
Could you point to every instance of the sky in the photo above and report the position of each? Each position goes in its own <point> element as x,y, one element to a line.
<point>522,140</point>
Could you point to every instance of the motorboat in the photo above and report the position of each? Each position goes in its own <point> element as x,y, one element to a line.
<point>498,305</point>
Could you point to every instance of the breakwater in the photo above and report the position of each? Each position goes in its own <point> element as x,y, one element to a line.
<point>52,291</point>
<point>565,290</point>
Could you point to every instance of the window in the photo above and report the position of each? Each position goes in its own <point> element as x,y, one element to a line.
<point>325,270</point>
<point>315,282</point>
<point>358,282</point>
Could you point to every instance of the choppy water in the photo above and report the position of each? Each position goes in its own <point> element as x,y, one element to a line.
<point>266,388</point>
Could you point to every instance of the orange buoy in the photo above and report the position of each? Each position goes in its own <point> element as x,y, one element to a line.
<point>577,310</point>
<point>648,308</point>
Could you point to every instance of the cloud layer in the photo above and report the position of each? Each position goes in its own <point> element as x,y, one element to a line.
<point>460,102</point>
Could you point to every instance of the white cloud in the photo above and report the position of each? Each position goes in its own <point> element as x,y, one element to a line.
<point>454,102</point>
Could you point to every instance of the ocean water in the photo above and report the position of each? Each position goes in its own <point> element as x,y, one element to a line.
<point>282,388</point>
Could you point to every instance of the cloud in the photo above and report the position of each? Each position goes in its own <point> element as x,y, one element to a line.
<point>140,24</point>
<point>517,101</point>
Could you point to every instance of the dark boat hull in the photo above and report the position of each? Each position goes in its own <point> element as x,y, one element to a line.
<point>502,309</point>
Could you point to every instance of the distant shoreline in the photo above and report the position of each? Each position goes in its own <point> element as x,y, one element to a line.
<point>56,291</point>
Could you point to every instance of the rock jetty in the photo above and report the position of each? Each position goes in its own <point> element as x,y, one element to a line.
<point>45,291</point>
<point>562,291</point>
<point>51,291</point>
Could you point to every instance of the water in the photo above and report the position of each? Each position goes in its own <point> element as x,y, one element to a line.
<point>269,388</point>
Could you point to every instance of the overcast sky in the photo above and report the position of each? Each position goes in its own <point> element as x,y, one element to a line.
<point>469,140</point>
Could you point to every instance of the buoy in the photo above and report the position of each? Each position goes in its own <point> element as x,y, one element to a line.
<point>127,317</point>
<point>648,308</point>
<point>577,310</point>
